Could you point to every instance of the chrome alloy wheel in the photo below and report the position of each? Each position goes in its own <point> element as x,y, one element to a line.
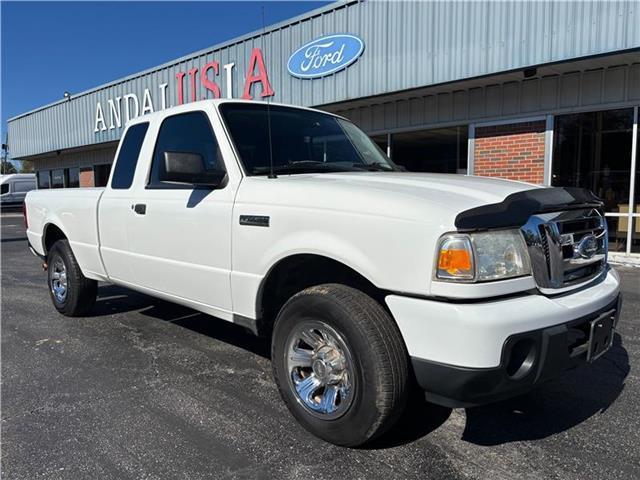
<point>58,280</point>
<point>320,369</point>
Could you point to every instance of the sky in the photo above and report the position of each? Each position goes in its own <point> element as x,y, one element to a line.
<point>48,48</point>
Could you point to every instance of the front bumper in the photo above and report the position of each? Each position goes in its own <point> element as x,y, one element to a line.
<point>462,353</point>
<point>528,359</point>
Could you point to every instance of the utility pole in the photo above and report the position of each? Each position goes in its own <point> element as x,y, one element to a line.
<point>5,147</point>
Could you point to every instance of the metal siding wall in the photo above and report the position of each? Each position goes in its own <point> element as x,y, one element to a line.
<point>94,156</point>
<point>407,45</point>
<point>588,90</point>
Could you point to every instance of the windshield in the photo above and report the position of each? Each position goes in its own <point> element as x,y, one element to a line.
<point>302,141</point>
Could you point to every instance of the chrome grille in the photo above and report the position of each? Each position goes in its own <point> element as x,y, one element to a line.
<point>566,248</point>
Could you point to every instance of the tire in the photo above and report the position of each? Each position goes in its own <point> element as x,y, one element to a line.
<point>351,333</point>
<point>78,294</point>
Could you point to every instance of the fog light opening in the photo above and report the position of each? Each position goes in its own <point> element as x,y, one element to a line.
<point>521,358</point>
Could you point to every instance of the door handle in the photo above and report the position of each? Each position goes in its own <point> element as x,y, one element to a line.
<point>139,208</point>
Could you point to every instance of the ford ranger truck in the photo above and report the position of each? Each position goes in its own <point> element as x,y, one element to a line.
<point>368,280</point>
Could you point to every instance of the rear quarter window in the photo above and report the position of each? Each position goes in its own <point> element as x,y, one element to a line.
<point>128,156</point>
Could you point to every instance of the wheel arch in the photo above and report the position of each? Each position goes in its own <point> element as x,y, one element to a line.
<point>51,233</point>
<point>293,273</point>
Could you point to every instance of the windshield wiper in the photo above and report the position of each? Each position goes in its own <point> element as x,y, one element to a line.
<point>303,166</point>
<point>316,166</point>
<point>374,167</point>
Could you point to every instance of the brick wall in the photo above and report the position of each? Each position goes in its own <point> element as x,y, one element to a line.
<point>514,151</point>
<point>86,178</point>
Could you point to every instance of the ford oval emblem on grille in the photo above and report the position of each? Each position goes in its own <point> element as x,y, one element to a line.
<point>588,246</point>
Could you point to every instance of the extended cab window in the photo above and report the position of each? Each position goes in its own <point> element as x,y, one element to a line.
<point>187,135</point>
<point>128,156</point>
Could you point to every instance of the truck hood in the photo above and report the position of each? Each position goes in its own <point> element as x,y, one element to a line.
<point>412,196</point>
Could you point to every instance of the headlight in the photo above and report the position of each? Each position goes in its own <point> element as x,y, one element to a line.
<point>500,254</point>
<point>484,256</point>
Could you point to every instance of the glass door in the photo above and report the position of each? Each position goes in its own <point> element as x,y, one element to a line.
<point>598,151</point>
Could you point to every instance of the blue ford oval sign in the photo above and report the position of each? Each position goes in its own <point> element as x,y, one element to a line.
<point>325,55</point>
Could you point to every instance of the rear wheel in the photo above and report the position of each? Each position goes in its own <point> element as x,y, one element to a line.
<point>71,292</point>
<point>340,364</point>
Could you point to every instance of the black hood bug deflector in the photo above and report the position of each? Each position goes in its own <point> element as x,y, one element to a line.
<point>515,210</point>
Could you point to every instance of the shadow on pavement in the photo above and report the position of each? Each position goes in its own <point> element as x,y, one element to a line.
<point>554,407</point>
<point>419,419</point>
<point>14,239</point>
<point>113,299</point>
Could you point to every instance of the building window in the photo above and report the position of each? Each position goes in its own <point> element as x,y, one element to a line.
<point>635,234</point>
<point>101,174</point>
<point>442,150</point>
<point>73,177</point>
<point>593,150</point>
<point>44,180</point>
<point>382,142</point>
<point>57,178</point>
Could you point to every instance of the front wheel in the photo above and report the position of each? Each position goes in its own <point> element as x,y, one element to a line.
<point>71,292</point>
<point>340,364</point>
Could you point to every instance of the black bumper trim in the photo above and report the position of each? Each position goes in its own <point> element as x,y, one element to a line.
<point>460,387</point>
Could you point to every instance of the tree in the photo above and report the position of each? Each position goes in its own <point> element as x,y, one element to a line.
<point>8,167</point>
<point>26,166</point>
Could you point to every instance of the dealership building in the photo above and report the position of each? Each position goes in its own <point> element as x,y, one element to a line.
<point>543,92</point>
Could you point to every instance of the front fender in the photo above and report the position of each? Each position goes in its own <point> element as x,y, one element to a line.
<point>392,254</point>
<point>324,244</point>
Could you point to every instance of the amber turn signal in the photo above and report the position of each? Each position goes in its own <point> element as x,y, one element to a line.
<point>455,258</point>
<point>454,261</point>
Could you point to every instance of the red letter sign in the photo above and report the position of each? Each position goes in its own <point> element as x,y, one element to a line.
<point>256,58</point>
<point>209,84</point>
<point>192,77</point>
<point>179,77</point>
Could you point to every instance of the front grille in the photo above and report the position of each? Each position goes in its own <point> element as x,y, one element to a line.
<point>566,248</point>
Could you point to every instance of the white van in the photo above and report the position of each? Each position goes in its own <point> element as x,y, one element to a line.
<point>14,187</point>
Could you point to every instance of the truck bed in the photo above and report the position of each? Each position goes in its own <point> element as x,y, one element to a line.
<point>74,211</point>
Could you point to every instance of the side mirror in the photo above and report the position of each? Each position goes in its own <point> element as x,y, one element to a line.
<point>189,168</point>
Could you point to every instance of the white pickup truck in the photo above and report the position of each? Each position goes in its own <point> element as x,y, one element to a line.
<point>369,280</point>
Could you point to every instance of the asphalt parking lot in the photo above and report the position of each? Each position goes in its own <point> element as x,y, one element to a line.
<point>144,389</point>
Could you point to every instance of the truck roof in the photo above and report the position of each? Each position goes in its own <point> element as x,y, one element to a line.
<point>187,107</point>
